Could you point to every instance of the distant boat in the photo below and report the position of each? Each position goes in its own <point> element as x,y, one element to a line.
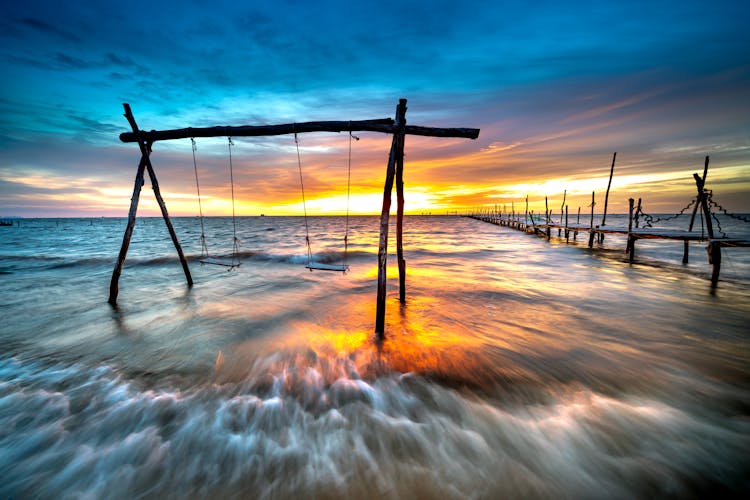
<point>262,215</point>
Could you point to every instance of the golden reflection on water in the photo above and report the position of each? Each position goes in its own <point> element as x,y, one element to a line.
<point>425,336</point>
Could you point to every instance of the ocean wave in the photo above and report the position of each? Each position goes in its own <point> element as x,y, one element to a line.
<point>313,427</point>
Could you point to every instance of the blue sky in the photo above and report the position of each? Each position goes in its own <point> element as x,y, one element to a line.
<point>556,87</point>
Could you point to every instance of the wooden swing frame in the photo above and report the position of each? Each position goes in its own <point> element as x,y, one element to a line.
<point>394,172</point>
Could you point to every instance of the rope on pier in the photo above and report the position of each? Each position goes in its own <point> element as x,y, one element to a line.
<point>724,210</point>
<point>650,220</point>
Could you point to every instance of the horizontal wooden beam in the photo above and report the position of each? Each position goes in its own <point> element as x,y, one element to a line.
<point>384,125</point>
<point>465,133</point>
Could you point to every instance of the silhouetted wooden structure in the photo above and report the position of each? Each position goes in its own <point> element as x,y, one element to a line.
<point>394,172</point>
<point>632,231</point>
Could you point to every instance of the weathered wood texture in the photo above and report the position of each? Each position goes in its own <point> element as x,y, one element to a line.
<point>145,162</point>
<point>384,216</point>
<point>394,171</point>
<point>591,221</point>
<point>609,184</point>
<point>400,218</point>
<point>384,125</point>
<point>114,287</point>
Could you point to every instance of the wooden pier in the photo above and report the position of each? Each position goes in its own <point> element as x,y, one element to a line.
<point>533,224</point>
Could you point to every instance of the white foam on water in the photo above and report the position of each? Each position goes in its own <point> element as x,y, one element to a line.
<point>88,432</point>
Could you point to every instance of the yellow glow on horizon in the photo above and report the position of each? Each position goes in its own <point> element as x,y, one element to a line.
<point>439,180</point>
<point>416,200</point>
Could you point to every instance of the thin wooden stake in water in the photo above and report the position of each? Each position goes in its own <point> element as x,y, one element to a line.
<point>562,207</point>
<point>609,184</point>
<point>714,248</point>
<point>591,225</point>
<point>695,210</point>
<point>630,247</point>
<point>637,213</point>
<point>526,213</point>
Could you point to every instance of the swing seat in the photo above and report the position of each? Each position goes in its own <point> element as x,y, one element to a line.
<point>317,266</point>
<point>219,262</point>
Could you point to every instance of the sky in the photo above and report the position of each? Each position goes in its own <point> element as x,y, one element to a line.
<point>555,87</point>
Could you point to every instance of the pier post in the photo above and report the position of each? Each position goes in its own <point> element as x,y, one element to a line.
<point>695,209</point>
<point>526,214</point>
<point>714,248</point>
<point>567,232</point>
<point>591,225</point>
<point>637,213</point>
<point>606,197</point>
<point>630,247</point>
<point>565,194</point>
<point>714,257</point>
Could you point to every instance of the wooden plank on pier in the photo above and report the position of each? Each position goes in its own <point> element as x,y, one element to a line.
<point>730,242</point>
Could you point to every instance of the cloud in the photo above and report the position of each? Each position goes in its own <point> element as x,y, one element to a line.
<point>49,29</point>
<point>555,88</point>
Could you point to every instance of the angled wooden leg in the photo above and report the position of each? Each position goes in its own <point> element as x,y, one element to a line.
<point>114,283</point>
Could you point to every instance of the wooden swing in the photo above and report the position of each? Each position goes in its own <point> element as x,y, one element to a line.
<point>394,172</point>
<point>206,258</point>
<point>311,264</point>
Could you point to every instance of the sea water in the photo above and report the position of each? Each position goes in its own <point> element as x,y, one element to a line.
<point>517,367</point>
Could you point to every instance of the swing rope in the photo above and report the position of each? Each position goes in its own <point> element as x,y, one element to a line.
<point>304,206</point>
<point>348,192</point>
<point>204,248</point>
<point>310,264</point>
<point>205,256</point>
<point>235,246</point>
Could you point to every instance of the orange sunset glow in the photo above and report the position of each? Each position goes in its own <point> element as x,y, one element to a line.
<point>203,296</point>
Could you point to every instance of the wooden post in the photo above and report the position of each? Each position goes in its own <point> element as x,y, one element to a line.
<point>637,213</point>
<point>591,226</point>
<point>145,152</point>
<point>714,248</point>
<point>526,213</point>
<point>384,216</point>
<point>546,215</point>
<point>695,210</point>
<point>114,288</point>
<point>578,221</point>
<point>714,254</point>
<point>609,184</point>
<point>606,196</point>
<point>565,193</point>
<point>630,247</point>
<point>400,208</point>
<point>567,233</point>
